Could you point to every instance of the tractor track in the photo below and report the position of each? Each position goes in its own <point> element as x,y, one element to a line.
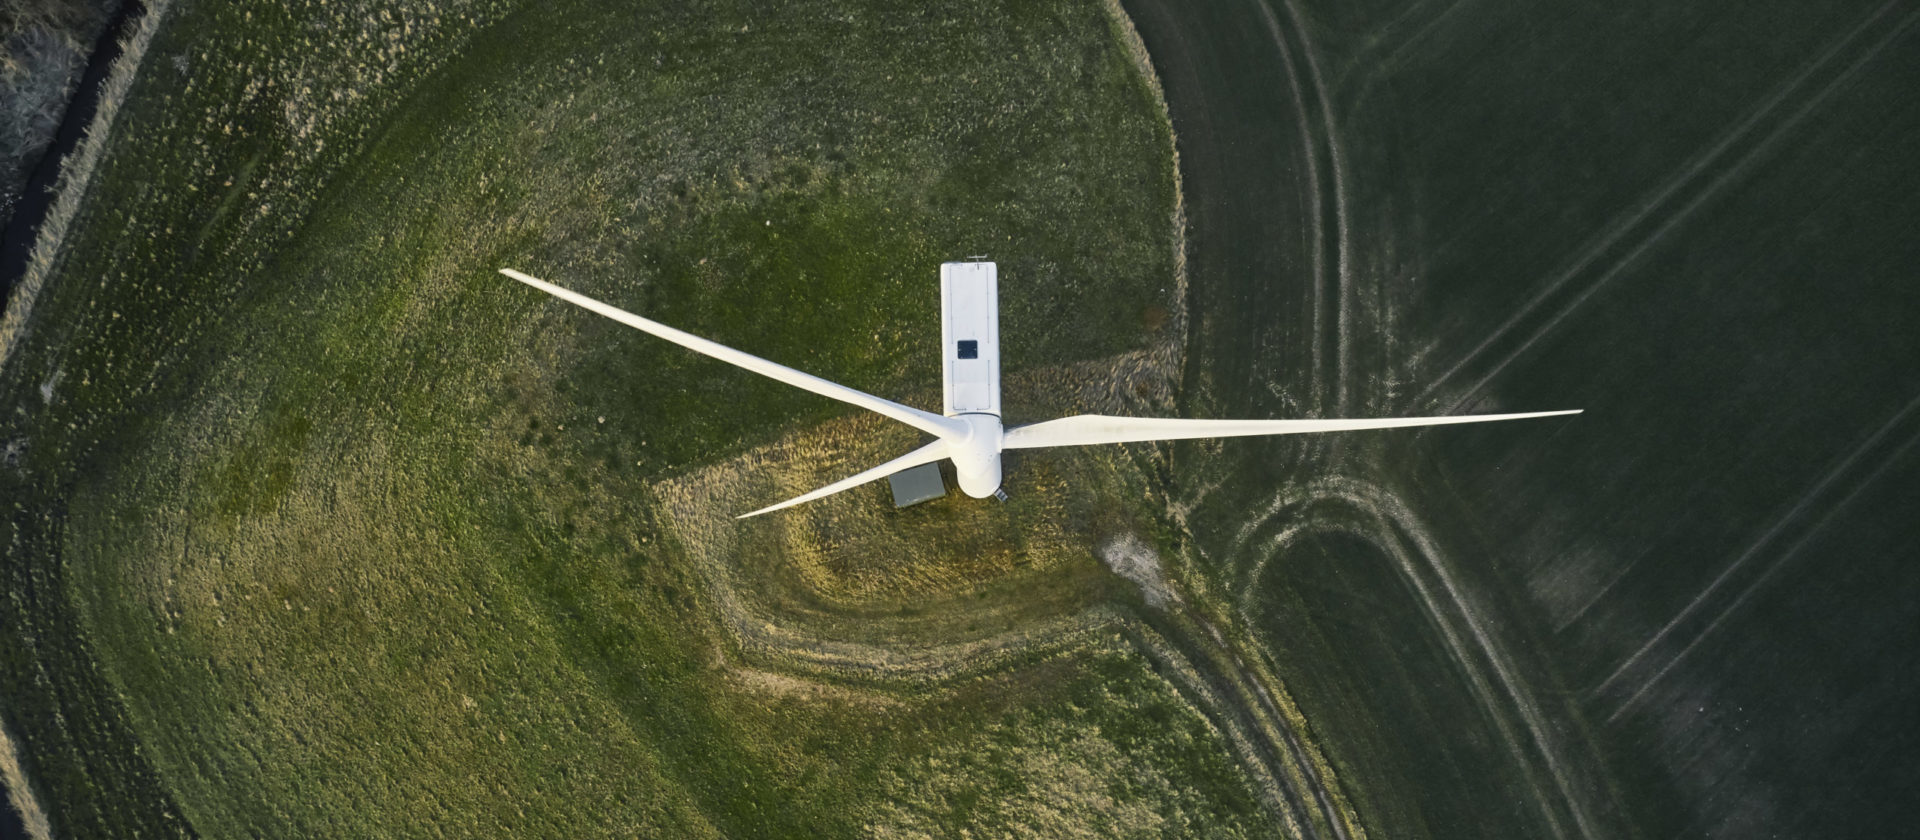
<point>1327,198</point>
<point>1366,511</point>
<point>1297,162</point>
<point>1833,491</point>
<point>1621,243</point>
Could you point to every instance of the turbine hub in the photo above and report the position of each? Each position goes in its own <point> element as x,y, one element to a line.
<point>976,458</point>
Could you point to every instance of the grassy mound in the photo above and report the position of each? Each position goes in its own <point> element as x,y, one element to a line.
<point>364,539</point>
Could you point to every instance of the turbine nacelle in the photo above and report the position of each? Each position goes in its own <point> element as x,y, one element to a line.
<point>971,433</point>
<point>970,371</point>
<point>976,459</point>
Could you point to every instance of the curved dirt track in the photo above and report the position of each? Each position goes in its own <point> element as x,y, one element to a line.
<point>1269,251</point>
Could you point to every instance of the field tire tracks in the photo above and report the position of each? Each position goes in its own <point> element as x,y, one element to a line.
<point>1368,512</point>
<point>1882,448</point>
<point>1747,143</point>
<point>1327,198</point>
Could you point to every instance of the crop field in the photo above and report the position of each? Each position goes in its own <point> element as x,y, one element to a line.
<point>316,526</point>
<point>1690,611</point>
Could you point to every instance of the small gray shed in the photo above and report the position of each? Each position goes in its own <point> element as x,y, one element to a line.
<point>914,485</point>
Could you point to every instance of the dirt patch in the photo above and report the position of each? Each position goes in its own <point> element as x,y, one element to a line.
<point>1130,557</point>
<point>19,794</point>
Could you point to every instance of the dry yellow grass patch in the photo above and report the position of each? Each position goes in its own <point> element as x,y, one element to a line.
<point>850,583</point>
<point>19,794</point>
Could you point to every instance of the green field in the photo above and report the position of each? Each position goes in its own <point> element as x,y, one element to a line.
<point>322,527</point>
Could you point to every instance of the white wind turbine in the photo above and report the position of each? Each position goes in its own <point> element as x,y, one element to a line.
<point>970,432</point>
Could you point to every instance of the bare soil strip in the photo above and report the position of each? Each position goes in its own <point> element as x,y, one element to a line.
<point>20,791</point>
<point>75,173</point>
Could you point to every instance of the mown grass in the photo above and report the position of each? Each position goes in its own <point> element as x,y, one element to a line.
<point>364,540</point>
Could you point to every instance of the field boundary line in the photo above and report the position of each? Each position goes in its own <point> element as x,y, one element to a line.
<point>1169,354</point>
<point>20,794</point>
<point>76,173</point>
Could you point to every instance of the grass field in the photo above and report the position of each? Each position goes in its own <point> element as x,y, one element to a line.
<point>318,526</point>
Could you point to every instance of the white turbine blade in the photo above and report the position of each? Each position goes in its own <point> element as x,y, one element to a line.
<point>1094,428</point>
<point>924,455</point>
<point>924,421</point>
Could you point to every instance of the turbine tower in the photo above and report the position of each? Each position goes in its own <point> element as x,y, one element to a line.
<point>969,432</point>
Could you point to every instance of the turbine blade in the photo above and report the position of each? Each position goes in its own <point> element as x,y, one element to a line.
<point>930,423</point>
<point>924,455</point>
<point>1086,429</point>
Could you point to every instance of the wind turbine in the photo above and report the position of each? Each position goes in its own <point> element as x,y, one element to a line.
<point>969,431</point>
